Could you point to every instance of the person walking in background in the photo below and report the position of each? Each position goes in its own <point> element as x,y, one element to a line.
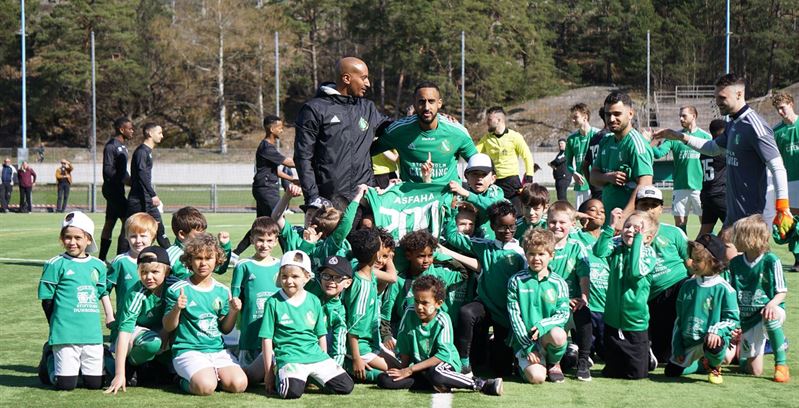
<point>142,196</point>
<point>27,179</point>
<point>63,176</point>
<point>115,176</point>
<point>7,176</point>
<point>559,171</point>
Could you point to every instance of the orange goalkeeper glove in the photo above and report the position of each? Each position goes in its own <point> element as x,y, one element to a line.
<point>784,220</point>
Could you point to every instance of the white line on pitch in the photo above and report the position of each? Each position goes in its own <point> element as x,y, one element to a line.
<point>440,400</point>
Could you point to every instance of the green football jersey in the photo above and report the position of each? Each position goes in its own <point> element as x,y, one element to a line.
<point>253,282</point>
<point>688,171</point>
<point>493,194</point>
<point>571,263</point>
<point>756,284</point>
<point>629,278</point>
<point>498,262</point>
<point>522,226</point>
<point>75,286</point>
<point>422,341</point>
<point>141,308</point>
<point>454,285</point>
<point>181,271</point>
<point>631,155</point>
<point>294,325</point>
<point>123,274</point>
<point>363,312</point>
<point>576,147</point>
<point>533,301</point>
<point>444,144</point>
<point>336,243</point>
<point>408,207</point>
<point>787,138</point>
<point>704,305</point>
<point>198,328</point>
<point>598,287</point>
<point>291,239</point>
<point>336,323</point>
<point>671,251</point>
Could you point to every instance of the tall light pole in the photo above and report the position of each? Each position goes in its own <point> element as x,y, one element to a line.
<point>463,77</point>
<point>727,37</point>
<point>94,134</point>
<point>24,151</point>
<point>648,110</point>
<point>277,73</point>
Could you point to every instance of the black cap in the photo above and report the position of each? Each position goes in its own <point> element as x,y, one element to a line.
<point>339,265</point>
<point>713,244</point>
<point>160,255</point>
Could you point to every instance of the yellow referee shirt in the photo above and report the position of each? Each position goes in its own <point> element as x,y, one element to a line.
<point>505,151</point>
<point>382,164</point>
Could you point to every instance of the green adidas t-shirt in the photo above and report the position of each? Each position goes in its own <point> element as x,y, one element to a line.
<point>75,285</point>
<point>123,274</point>
<point>181,271</point>
<point>482,201</point>
<point>688,172</point>
<point>598,287</point>
<point>756,284</point>
<point>454,285</point>
<point>445,144</point>
<point>576,147</point>
<point>671,251</point>
<point>294,325</point>
<point>787,138</point>
<point>408,207</point>
<point>571,263</point>
<point>363,312</point>
<point>422,341</point>
<point>631,153</point>
<point>141,308</point>
<point>291,240</point>
<point>198,328</point>
<point>534,302</point>
<point>336,323</point>
<point>704,305</point>
<point>253,282</point>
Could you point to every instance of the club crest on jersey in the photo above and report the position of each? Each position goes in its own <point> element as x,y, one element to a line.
<point>332,260</point>
<point>549,296</point>
<point>217,304</point>
<point>95,275</point>
<point>310,319</point>
<point>445,147</point>
<point>363,125</point>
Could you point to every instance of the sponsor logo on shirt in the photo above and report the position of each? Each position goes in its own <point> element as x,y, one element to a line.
<point>87,300</point>
<point>208,325</point>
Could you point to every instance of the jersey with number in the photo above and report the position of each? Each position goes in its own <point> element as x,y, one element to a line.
<point>631,155</point>
<point>294,325</point>
<point>576,148</point>
<point>180,271</point>
<point>198,328</point>
<point>704,305</point>
<point>671,252</point>
<point>444,144</point>
<point>421,340</point>
<point>533,301</point>
<point>75,286</point>
<point>688,172</point>
<point>253,282</point>
<point>123,274</point>
<point>141,308</point>
<point>714,183</point>
<point>598,287</point>
<point>787,137</point>
<point>363,312</point>
<point>482,201</point>
<point>571,263</point>
<point>756,284</point>
<point>407,207</point>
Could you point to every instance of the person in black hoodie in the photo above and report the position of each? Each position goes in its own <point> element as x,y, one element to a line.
<point>142,196</point>
<point>559,171</point>
<point>334,132</point>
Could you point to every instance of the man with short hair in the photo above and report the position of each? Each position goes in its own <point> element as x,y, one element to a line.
<point>624,161</point>
<point>115,176</point>
<point>142,196</point>
<point>427,135</point>
<point>7,176</point>
<point>786,134</point>
<point>749,144</point>
<point>576,149</point>
<point>505,146</point>
<point>688,172</point>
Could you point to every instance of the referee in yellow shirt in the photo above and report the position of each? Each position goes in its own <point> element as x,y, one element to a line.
<point>505,147</point>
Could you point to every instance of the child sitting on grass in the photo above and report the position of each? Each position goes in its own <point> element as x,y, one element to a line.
<point>707,312</point>
<point>187,223</point>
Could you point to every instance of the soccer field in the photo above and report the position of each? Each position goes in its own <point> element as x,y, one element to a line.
<point>27,240</point>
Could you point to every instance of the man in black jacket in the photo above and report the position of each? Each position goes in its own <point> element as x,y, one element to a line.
<point>334,132</point>
<point>559,171</point>
<point>142,196</point>
<point>115,176</point>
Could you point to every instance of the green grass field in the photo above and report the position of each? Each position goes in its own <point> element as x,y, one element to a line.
<point>34,237</point>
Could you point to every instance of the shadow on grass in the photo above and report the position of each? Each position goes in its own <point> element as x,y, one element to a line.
<point>662,378</point>
<point>32,262</point>
<point>28,379</point>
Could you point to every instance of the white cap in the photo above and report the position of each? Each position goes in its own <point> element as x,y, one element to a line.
<point>82,221</point>
<point>305,263</point>
<point>649,192</point>
<point>479,161</point>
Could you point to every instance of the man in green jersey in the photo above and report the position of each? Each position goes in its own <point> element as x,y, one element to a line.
<point>576,148</point>
<point>427,135</point>
<point>688,173</point>
<point>786,133</point>
<point>624,161</point>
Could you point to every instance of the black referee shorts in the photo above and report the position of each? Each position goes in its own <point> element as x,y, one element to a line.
<point>116,205</point>
<point>714,208</point>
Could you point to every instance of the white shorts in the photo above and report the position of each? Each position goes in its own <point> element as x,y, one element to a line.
<point>691,354</point>
<point>367,358</point>
<point>753,341</point>
<point>793,193</point>
<point>581,197</point>
<point>190,362</point>
<point>685,202</point>
<point>73,359</point>
<point>322,371</point>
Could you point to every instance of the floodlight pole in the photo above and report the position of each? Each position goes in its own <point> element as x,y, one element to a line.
<point>463,77</point>
<point>648,76</point>
<point>727,37</point>
<point>94,135</point>
<point>277,73</point>
<point>24,77</point>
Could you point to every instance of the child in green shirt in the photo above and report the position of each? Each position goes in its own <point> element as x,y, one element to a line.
<point>187,223</point>
<point>535,200</point>
<point>294,335</point>
<point>598,285</point>
<point>482,191</point>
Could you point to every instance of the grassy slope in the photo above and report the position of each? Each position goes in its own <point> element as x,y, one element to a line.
<point>24,330</point>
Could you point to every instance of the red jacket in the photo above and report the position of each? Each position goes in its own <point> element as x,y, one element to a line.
<point>26,177</point>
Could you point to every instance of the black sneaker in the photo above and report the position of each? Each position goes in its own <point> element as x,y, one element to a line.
<point>583,372</point>
<point>44,372</point>
<point>555,374</point>
<point>492,387</point>
<point>569,359</point>
<point>131,375</point>
<point>653,361</point>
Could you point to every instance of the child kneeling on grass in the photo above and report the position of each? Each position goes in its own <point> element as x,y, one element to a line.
<point>707,312</point>
<point>199,310</point>
<point>424,344</point>
<point>294,335</point>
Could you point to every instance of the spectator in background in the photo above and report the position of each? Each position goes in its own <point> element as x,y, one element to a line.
<point>559,171</point>
<point>7,176</point>
<point>27,179</point>
<point>63,177</point>
<point>115,176</point>
<point>142,196</point>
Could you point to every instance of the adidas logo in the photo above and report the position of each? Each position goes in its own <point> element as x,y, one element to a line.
<point>335,119</point>
<point>411,146</point>
<point>128,277</point>
<point>284,317</point>
<point>192,303</point>
<point>252,277</point>
<point>70,272</point>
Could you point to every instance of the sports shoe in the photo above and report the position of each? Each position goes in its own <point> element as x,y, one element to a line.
<point>781,374</point>
<point>467,371</point>
<point>569,360</point>
<point>492,387</point>
<point>653,361</point>
<point>583,373</point>
<point>555,374</point>
<point>714,375</point>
